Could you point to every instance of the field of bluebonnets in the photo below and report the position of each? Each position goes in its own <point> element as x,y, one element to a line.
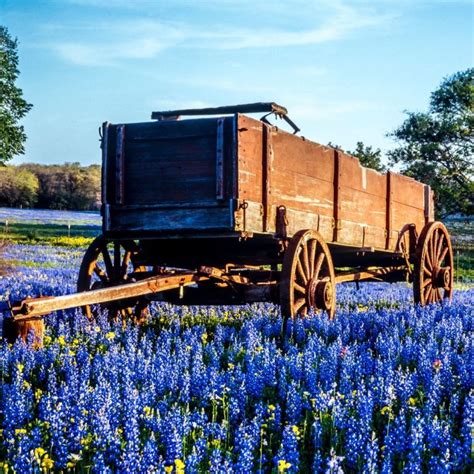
<point>385,387</point>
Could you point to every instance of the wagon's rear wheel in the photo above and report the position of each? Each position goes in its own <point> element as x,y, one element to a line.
<point>434,269</point>
<point>308,279</point>
<point>109,263</point>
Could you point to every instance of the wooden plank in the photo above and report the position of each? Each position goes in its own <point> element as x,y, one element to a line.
<point>407,191</point>
<point>267,165</point>
<point>105,166</point>
<point>359,178</point>
<point>250,151</point>
<point>34,307</point>
<point>428,204</point>
<point>171,219</point>
<point>302,157</point>
<point>360,207</point>
<point>256,107</point>
<point>220,159</point>
<point>403,214</point>
<point>337,197</point>
<point>119,165</point>
<point>388,211</point>
<point>171,131</point>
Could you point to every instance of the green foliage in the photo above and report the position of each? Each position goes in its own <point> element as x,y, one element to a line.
<point>437,146</point>
<point>18,187</point>
<point>367,156</point>
<point>69,186</point>
<point>12,105</point>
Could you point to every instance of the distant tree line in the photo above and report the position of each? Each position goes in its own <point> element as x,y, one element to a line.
<point>68,186</point>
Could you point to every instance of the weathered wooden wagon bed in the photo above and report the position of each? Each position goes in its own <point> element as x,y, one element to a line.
<point>250,212</point>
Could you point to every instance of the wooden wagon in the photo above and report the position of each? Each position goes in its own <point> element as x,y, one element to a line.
<point>227,209</point>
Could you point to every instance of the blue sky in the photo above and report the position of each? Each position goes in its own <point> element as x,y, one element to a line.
<point>346,70</point>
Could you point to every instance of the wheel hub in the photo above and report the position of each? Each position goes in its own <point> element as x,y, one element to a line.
<point>320,294</point>
<point>442,277</point>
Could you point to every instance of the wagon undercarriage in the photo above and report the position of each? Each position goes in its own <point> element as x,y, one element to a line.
<point>232,210</point>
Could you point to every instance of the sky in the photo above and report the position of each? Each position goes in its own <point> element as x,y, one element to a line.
<point>346,70</point>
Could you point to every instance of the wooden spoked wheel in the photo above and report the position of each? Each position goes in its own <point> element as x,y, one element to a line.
<point>308,279</point>
<point>110,263</point>
<point>434,269</point>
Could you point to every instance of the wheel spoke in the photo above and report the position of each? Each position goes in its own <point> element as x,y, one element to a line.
<point>442,256</point>
<point>318,265</point>
<point>305,262</point>
<point>299,303</point>
<point>428,294</point>
<point>434,253</point>
<point>124,268</point>
<point>299,269</point>
<point>117,261</point>
<point>108,262</point>
<point>299,288</point>
<point>428,272</point>
<point>426,283</point>
<point>312,255</point>
<point>438,295</point>
<point>440,247</point>
<point>100,273</point>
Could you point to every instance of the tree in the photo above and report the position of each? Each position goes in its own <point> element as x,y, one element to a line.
<point>12,105</point>
<point>18,187</point>
<point>368,157</point>
<point>69,186</point>
<point>366,154</point>
<point>437,146</point>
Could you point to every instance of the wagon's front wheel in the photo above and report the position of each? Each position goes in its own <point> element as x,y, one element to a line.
<point>308,278</point>
<point>109,263</point>
<point>434,269</point>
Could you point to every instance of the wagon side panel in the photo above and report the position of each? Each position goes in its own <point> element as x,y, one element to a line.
<point>361,202</point>
<point>250,174</point>
<point>411,203</point>
<point>281,171</point>
<point>169,176</point>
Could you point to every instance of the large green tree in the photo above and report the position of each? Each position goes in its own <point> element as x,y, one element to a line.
<point>13,107</point>
<point>437,146</point>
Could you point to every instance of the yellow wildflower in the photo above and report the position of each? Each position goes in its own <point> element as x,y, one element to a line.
<point>179,466</point>
<point>20,431</point>
<point>283,466</point>
<point>110,336</point>
<point>26,384</point>
<point>20,367</point>
<point>39,452</point>
<point>75,341</point>
<point>412,401</point>
<point>61,341</point>
<point>168,468</point>
<point>47,463</point>
<point>47,340</point>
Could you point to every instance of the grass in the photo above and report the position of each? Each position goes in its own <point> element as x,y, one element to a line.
<point>50,234</point>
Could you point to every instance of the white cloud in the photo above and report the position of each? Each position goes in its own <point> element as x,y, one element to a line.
<point>138,39</point>
<point>118,41</point>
